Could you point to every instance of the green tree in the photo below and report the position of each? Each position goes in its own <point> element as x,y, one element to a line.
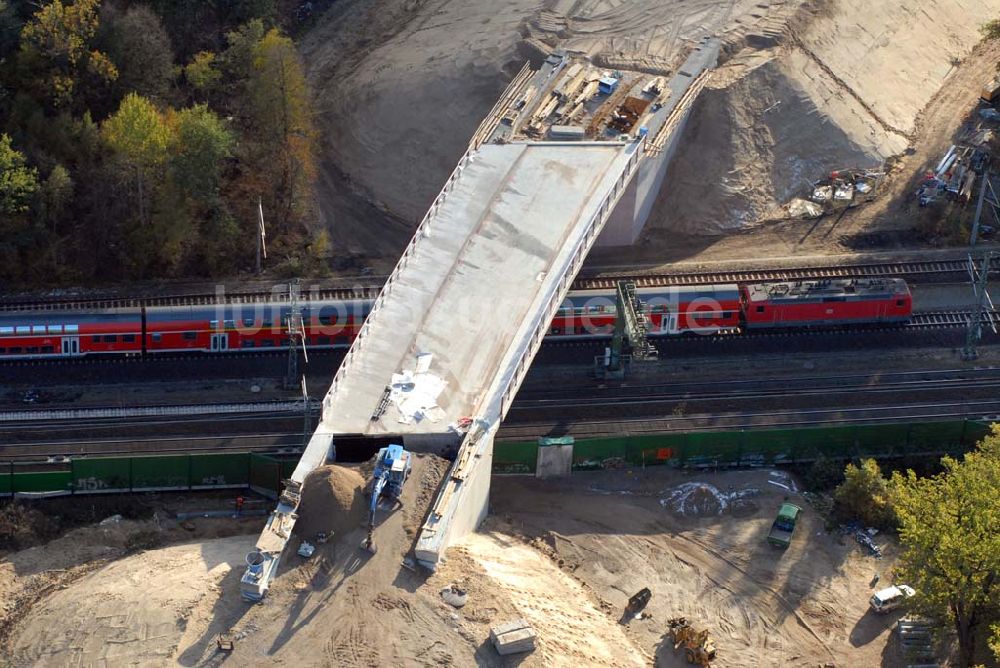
<point>200,145</point>
<point>139,46</point>
<point>995,641</point>
<point>950,534</point>
<point>241,11</point>
<point>237,61</point>
<point>54,197</point>
<point>56,50</point>
<point>865,495</point>
<point>139,137</point>
<point>281,122</point>
<point>18,182</point>
<point>202,74</point>
<point>10,29</point>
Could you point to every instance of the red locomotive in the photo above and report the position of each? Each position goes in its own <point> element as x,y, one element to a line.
<point>826,302</point>
<point>585,314</point>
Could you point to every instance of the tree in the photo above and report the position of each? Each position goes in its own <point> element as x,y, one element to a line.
<point>865,495</point>
<point>950,534</point>
<point>995,641</point>
<point>10,29</point>
<point>56,44</point>
<point>241,11</point>
<point>54,196</point>
<point>139,46</point>
<point>18,182</point>
<point>202,73</point>
<point>139,136</point>
<point>237,61</point>
<point>281,121</point>
<point>200,145</point>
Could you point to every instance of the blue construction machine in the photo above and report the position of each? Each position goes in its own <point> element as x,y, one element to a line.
<point>392,467</point>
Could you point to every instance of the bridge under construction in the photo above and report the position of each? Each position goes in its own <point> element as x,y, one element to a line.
<point>571,156</point>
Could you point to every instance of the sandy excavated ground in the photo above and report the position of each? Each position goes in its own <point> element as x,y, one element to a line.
<point>402,84</point>
<point>564,555</point>
<point>807,87</point>
<point>81,600</point>
<point>852,89</point>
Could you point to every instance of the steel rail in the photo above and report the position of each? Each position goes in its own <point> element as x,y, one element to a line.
<point>902,269</point>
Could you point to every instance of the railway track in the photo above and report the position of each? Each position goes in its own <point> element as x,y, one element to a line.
<point>912,270</point>
<point>985,409</point>
<point>855,388</point>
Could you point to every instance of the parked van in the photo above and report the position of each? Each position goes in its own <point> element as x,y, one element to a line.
<point>891,598</point>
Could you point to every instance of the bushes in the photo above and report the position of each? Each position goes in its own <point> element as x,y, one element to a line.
<point>21,526</point>
<point>865,495</point>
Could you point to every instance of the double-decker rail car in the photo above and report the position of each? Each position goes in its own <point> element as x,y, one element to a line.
<point>40,334</point>
<point>257,326</point>
<point>850,301</point>
<point>331,324</point>
<point>671,310</point>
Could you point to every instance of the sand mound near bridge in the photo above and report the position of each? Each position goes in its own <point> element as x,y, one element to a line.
<point>332,501</point>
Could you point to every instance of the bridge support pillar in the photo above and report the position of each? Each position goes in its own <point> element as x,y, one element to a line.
<point>460,507</point>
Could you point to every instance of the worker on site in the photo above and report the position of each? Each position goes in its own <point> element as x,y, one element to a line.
<point>239,504</point>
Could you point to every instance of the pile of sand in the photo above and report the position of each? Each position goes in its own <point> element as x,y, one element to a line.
<point>134,611</point>
<point>332,501</point>
<point>844,90</point>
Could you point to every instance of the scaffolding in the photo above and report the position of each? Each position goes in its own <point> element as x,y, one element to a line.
<point>979,276</point>
<point>630,340</point>
<point>296,331</point>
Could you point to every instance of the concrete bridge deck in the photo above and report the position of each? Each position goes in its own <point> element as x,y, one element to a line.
<point>490,258</point>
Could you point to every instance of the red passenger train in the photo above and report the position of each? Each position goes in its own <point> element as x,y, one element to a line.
<point>672,311</point>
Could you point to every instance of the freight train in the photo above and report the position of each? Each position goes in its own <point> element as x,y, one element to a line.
<point>671,311</point>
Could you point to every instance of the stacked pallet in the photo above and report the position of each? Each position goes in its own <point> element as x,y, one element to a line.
<point>513,637</point>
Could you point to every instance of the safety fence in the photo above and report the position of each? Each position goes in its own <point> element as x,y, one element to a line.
<point>753,447</point>
<point>115,475</point>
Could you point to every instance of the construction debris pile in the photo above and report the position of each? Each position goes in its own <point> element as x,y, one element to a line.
<point>842,189</point>
<point>863,537</point>
<point>955,175</point>
<point>572,99</point>
<point>968,159</point>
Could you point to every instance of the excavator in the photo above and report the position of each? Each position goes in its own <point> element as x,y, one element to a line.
<point>699,648</point>
<point>392,467</point>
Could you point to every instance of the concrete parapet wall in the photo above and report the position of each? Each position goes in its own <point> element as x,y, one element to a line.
<point>459,507</point>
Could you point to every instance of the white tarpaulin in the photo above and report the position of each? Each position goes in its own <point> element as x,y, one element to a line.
<point>415,393</point>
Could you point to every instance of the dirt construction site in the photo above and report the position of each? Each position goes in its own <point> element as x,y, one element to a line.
<point>563,556</point>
